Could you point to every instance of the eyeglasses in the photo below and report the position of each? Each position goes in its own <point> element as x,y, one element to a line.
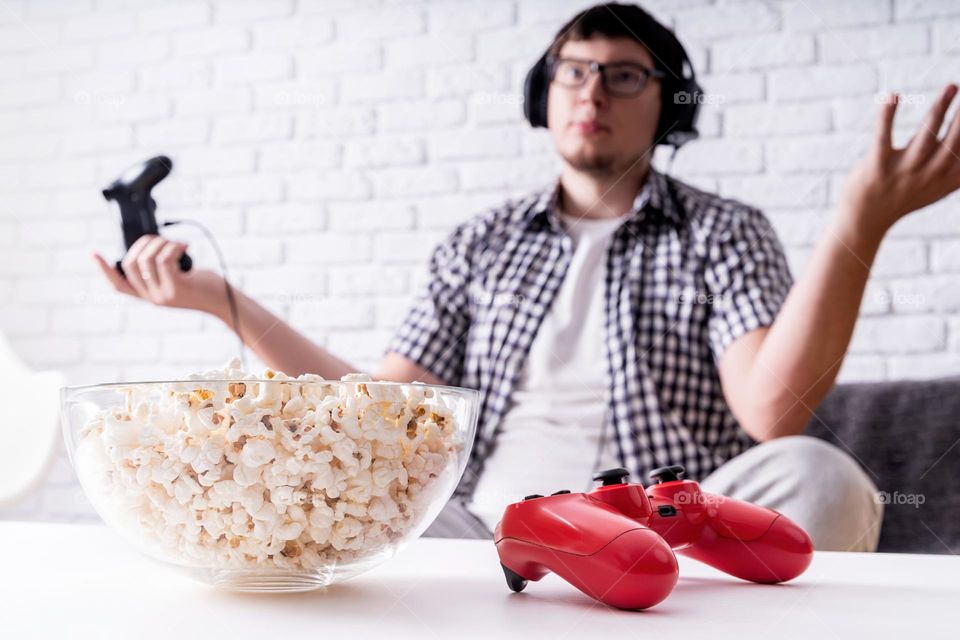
<point>619,78</point>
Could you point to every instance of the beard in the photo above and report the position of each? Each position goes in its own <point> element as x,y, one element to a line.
<point>602,164</point>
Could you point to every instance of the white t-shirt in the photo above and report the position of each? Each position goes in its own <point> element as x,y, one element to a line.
<point>549,436</point>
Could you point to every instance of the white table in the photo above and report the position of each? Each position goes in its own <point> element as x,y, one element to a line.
<point>83,581</point>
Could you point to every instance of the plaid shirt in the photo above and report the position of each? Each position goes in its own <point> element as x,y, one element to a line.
<point>687,273</point>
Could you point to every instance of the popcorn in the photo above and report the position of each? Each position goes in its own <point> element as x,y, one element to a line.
<point>256,453</point>
<point>227,471</point>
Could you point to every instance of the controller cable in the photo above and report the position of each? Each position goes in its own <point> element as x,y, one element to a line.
<point>600,447</point>
<point>231,299</point>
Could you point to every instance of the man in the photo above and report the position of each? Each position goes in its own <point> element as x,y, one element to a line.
<point>624,318</point>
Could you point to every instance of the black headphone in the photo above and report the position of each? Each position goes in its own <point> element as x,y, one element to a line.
<point>678,112</point>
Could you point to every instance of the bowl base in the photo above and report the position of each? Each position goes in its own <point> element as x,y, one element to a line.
<point>264,581</point>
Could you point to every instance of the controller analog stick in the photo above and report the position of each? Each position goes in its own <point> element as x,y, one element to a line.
<point>667,474</point>
<point>608,477</point>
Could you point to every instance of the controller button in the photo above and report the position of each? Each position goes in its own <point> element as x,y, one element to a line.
<point>667,474</point>
<point>667,510</point>
<point>532,496</point>
<point>609,477</point>
<point>561,492</point>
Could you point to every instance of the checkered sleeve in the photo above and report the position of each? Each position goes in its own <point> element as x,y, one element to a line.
<point>747,276</point>
<point>434,332</point>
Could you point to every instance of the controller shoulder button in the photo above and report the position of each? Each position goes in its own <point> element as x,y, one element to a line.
<point>561,492</point>
<point>532,496</point>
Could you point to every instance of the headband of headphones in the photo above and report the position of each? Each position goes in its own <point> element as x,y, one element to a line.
<point>680,106</point>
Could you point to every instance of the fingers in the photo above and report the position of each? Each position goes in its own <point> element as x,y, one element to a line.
<point>151,265</point>
<point>951,144</point>
<point>147,262</point>
<point>168,268</point>
<point>132,269</point>
<point>111,273</point>
<point>927,138</point>
<point>884,130</point>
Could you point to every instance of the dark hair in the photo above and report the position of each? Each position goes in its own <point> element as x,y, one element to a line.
<point>613,20</point>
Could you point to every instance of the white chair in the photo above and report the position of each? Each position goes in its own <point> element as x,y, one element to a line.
<point>29,425</point>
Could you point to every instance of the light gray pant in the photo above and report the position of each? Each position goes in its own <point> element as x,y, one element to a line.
<point>813,483</point>
<point>810,481</point>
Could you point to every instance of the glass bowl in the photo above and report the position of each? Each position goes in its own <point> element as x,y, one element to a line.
<point>269,484</point>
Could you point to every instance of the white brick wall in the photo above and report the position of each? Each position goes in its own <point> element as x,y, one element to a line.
<point>329,144</point>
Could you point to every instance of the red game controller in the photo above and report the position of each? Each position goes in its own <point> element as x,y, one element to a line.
<point>616,543</point>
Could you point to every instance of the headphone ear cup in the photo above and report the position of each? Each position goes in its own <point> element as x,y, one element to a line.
<point>535,88</point>
<point>680,111</point>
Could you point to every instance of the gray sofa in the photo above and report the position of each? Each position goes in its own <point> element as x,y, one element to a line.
<point>906,435</point>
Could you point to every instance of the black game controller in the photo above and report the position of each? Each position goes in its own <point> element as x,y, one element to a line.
<point>137,208</point>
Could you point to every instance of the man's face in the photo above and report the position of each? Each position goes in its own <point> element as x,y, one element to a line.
<point>597,132</point>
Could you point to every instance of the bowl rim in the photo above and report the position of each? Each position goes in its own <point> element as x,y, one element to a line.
<point>108,385</point>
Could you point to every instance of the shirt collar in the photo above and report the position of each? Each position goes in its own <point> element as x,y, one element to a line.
<point>653,199</point>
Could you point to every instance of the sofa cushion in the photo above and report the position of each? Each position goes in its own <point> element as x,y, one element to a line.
<point>906,435</point>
